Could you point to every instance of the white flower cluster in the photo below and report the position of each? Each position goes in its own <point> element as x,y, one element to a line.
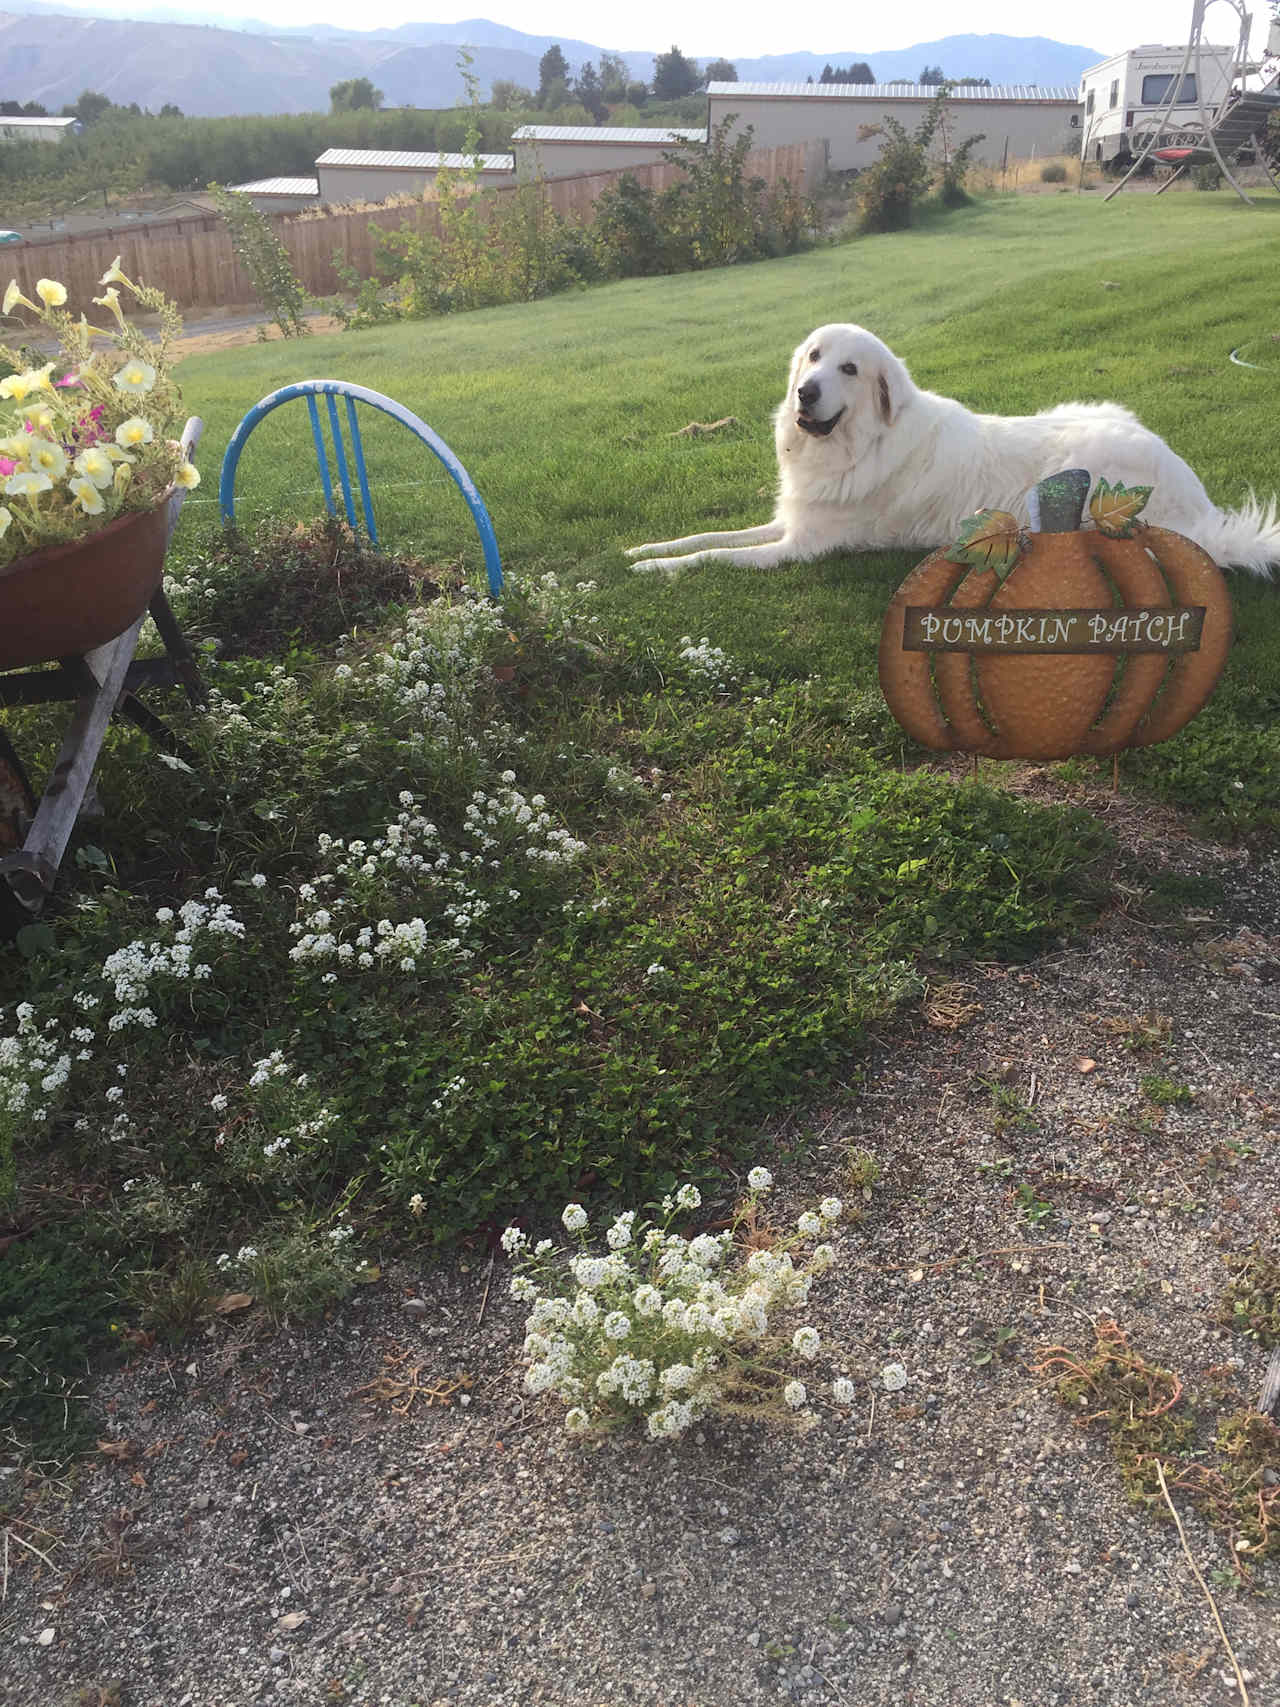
<point>664,1326</point>
<point>707,663</point>
<point>409,858</point>
<point>507,821</point>
<point>34,1066</point>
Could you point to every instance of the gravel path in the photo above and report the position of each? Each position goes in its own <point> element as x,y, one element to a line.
<point>330,1515</point>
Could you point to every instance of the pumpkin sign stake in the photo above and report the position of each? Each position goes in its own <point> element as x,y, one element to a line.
<point>1046,642</point>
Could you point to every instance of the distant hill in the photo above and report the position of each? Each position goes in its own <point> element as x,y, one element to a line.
<point>50,54</point>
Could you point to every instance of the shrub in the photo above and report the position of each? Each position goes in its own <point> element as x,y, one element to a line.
<point>1053,173</point>
<point>890,188</point>
<point>266,260</point>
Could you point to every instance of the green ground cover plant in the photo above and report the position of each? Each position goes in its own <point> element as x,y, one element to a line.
<point>463,910</point>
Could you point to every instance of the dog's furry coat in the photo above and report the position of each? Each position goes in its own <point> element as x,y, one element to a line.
<point>867,460</point>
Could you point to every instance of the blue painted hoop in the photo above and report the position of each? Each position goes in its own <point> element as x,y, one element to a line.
<point>329,389</point>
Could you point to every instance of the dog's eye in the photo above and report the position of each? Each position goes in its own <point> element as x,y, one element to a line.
<point>850,368</point>
<point>814,354</point>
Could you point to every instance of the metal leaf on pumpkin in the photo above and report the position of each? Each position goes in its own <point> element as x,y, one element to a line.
<point>1115,508</point>
<point>991,539</point>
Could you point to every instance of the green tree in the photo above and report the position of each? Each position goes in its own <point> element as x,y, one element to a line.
<point>508,97</point>
<point>169,111</point>
<point>931,76</point>
<point>637,94</point>
<point>24,110</point>
<point>553,69</point>
<point>614,77</point>
<point>720,71</point>
<point>353,94</point>
<point>674,76</point>
<point>90,108</point>
<point>588,91</point>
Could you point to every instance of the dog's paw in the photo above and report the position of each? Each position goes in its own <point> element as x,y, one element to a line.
<point>638,550</point>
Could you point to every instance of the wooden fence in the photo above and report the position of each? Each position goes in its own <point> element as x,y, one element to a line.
<point>192,260</point>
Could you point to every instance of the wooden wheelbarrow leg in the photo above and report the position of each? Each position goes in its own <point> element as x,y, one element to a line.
<point>30,873</point>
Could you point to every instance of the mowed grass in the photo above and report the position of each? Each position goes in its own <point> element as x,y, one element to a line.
<point>567,413</point>
<point>762,872</point>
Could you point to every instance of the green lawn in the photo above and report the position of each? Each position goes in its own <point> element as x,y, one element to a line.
<point>410,1034</point>
<point>563,411</point>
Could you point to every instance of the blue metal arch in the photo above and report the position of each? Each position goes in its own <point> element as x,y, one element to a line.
<point>331,390</point>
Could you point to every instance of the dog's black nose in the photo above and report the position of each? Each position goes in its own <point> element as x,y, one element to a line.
<point>808,393</point>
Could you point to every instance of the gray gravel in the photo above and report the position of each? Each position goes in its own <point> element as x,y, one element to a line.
<point>276,1531</point>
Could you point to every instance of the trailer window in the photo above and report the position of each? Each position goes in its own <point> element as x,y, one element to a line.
<point>1088,106</point>
<point>1155,89</point>
<point>1115,93</point>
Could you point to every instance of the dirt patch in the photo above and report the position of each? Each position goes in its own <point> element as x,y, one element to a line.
<point>202,338</point>
<point>333,1514</point>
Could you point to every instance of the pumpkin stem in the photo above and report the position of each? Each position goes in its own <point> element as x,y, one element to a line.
<point>1056,503</point>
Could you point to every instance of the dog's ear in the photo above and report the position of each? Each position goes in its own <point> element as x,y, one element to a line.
<point>893,388</point>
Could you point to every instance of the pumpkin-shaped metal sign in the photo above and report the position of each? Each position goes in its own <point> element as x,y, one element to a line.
<point>1053,641</point>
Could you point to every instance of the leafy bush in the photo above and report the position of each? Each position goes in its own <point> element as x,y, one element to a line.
<point>266,260</point>
<point>890,188</point>
<point>1053,173</point>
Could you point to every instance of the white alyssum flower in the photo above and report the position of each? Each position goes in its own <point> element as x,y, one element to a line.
<point>574,1217</point>
<point>759,1179</point>
<point>805,1342</point>
<point>843,1390</point>
<point>894,1377</point>
<point>795,1393</point>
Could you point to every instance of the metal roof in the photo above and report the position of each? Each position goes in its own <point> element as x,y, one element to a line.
<point>655,136</point>
<point>280,187</point>
<point>409,161</point>
<point>902,91</point>
<point>6,119</point>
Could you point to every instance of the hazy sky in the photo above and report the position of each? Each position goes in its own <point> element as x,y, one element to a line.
<point>729,28</point>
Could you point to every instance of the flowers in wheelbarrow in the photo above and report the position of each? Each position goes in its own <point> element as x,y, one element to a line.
<point>93,432</point>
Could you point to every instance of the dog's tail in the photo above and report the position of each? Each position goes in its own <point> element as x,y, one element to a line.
<point>1247,538</point>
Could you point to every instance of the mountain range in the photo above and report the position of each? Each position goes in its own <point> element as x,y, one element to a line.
<point>209,65</point>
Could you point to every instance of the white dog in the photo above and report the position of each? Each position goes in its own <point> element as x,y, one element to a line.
<point>867,461</point>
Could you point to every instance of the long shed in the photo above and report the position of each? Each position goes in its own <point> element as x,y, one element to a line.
<point>376,174</point>
<point>563,151</point>
<point>281,195</point>
<point>1016,120</point>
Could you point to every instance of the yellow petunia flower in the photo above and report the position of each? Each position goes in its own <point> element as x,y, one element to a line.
<point>51,293</point>
<point>188,476</point>
<point>87,496</point>
<point>27,484</point>
<point>111,299</point>
<point>12,297</point>
<point>48,458</point>
<point>95,465</point>
<point>19,386</point>
<point>113,274</point>
<point>122,476</point>
<point>133,432</point>
<point>6,516</point>
<point>136,377</point>
<point>16,446</point>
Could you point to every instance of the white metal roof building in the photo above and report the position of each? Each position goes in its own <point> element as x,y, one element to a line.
<point>1023,120</point>
<point>563,151</point>
<point>377,174</point>
<point>38,129</point>
<point>281,195</point>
